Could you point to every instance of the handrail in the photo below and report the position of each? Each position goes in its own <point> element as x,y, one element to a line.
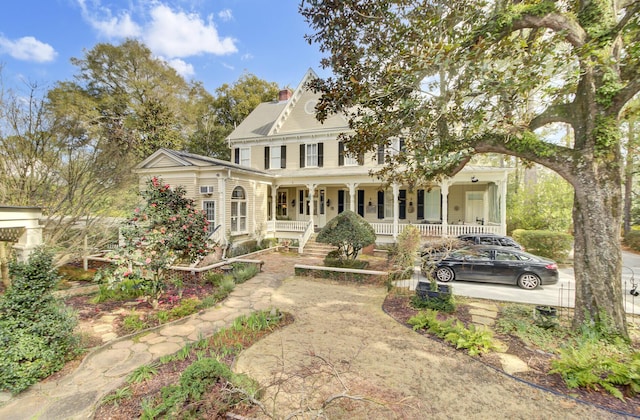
<point>305,237</point>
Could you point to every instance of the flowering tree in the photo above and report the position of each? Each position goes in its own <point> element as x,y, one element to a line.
<point>168,229</point>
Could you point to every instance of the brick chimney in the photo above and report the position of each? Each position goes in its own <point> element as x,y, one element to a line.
<point>284,95</point>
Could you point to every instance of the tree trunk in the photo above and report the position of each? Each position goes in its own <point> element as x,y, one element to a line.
<point>597,214</point>
<point>628,175</point>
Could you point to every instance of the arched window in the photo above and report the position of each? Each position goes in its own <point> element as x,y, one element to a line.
<point>238,210</point>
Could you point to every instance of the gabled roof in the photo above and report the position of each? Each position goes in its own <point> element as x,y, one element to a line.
<point>291,117</point>
<point>165,158</point>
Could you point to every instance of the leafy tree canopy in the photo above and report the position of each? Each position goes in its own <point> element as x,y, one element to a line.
<point>462,77</point>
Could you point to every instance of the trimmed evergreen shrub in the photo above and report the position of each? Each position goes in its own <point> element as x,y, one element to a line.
<point>36,330</point>
<point>545,243</point>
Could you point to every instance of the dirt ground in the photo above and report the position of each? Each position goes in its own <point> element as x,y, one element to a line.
<point>343,357</point>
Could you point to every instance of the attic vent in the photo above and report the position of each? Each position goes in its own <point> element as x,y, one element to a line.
<point>206,189</point>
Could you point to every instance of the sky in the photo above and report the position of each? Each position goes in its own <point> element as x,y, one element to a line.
<point>210,41</point>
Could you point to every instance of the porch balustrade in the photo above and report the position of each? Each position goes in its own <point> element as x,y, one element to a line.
<point>386,229</point>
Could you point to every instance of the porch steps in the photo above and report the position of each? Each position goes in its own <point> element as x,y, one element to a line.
<point>317,249</point>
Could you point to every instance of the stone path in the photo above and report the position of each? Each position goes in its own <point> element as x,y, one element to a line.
<point>76,395</point>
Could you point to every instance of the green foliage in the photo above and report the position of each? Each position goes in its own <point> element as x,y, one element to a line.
<point>474,340</point>
<point>36,331</point>
<point>117,396</point>
<point>545,205</point>
<point>243,272</point>
<point>168,229</point>
<point>593,363</point>
<point>547,244</point>
<point>632,240</point>
<point>186,307</point>
<point>349,232</point>
<point>331,261</point>
<point>445,302</point>
<point>133,323</point>
<point>518,320</point>
<point>142,373</point>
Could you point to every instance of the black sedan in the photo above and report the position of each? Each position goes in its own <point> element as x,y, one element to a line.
<point>492,264</point>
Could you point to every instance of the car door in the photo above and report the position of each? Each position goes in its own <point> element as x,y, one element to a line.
<point>477,266</point>
<point>506,267</point>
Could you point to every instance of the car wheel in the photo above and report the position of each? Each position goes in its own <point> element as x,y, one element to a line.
<point>528,281</point>
<point>444,274</point>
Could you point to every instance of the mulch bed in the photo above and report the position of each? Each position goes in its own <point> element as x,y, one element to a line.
<point>399,308</point>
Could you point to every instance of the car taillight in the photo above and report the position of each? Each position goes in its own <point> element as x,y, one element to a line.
<point>553,266</point>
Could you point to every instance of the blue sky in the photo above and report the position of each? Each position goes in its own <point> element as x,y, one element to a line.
<point>214,42</point>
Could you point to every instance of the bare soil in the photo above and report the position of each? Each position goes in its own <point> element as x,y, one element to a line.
<point>348,351</point>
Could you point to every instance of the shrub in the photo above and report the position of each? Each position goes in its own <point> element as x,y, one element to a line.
<point>36,330</point>
<point>243,272</point>
<point>632,240</point>
<point>407,247</point>
<point>349,232</point>
<point>547,244</point>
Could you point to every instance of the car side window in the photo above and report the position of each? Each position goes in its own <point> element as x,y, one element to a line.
<point>479,256</point>
<point>486,241</point>
<point>505,256</point>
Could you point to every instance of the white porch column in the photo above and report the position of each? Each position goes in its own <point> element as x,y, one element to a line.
<point>274,197</point>
<point>444,191</point>
<point>396,209</point>
<point>352,195</point>
<point>221,209</point>
<point>502,187</point>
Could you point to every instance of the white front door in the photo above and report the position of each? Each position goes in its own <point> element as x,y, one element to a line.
<point>321,208</point>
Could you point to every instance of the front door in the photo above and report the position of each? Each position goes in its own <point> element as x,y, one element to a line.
<point>474,207</point>
<point>321,208</point>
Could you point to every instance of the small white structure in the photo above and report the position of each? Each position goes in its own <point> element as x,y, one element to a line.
<point>21,226</point>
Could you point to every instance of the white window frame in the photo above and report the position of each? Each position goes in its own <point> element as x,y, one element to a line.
<point>275,157</point>
<point>245,156</point>
<point>210,212</point>
<point>311,155</point>
<point>238,211</point>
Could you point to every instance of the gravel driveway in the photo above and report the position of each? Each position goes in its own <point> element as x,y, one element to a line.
<point>343,357</point>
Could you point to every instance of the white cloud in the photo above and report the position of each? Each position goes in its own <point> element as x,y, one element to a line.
<point>225,15</point>
<point>109,26</point>
<point>246,57</point>
<point>178,34</point>
<point>183,68</point>
<point>28,49</point>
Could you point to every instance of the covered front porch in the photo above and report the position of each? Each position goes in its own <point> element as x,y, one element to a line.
<point>469,203</point>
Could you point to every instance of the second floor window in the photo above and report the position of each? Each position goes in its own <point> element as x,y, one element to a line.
<point>344,159</point>
<point>243,156</point>
<point>275,157</point>
<point>311,155</point>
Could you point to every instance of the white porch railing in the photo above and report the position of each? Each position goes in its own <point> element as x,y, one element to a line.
<point>287,225</point>
<point>384,230</point>
<point>305,237</point>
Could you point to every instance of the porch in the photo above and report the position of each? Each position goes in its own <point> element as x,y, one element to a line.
<point>385,232</point>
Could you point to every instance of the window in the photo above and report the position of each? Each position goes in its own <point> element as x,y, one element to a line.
<point>344,159</point>
<point>243,156</point>
<point>209,208</point>
<point>281,206</point>
<point>275,157</point>
<point>238,211</point>
<point>311,155</point>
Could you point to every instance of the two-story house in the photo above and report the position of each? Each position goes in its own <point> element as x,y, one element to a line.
<point>289,175</point>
